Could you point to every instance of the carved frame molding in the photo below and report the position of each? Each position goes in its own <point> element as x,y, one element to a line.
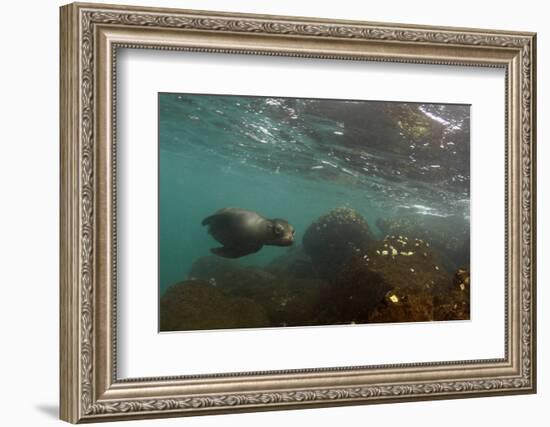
<point>90,37</point>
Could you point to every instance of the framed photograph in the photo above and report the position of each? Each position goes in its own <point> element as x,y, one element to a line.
<point>266,212</point>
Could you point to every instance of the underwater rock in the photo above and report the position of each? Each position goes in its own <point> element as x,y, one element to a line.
<point>461,281</point>
<point>455,305</point>
<point>334,238</point>
<point>394,281</point>
<point>412,272</point>
<point>245,281</point>
<point>292,303</point>
<point>197,305</point>
<point>293,263</point>
<point>288,301</point>
<point>450,236</point>
<point>353,296</point>
<point>406,262</point>
<point>212,268</point>
<point>411,305</point>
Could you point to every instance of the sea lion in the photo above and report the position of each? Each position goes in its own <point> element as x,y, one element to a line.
<point>243,232</point>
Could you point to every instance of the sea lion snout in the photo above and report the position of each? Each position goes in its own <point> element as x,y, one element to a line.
<point>283,233</point>
<point>286,240</point>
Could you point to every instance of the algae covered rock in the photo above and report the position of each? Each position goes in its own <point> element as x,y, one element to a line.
<point>354,279</point>
<point>461,281</point>
<point>246,281</point>
<point>287,301</point>
<point>407,262</point>
<point>293,263</point>
<point>455,305</point>
<point>414,275</point>
<point>354,295</point>
<point>334,238</point>
<point>197,305</point>
<point>397,280</point>
<point>415,304</point>
<point>450,235</point>
<point>295,302</point>
<point>421,290</point>
<point>212,268</point>
<point>399,305</point>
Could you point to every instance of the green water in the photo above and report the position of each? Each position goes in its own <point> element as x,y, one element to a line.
<point>297,160</point>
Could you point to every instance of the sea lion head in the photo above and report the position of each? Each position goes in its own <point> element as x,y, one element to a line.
<point>282,233</point>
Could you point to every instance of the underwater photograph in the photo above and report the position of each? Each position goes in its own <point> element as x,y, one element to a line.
<point>283,212</point>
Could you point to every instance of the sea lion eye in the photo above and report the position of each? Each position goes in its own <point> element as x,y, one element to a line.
<point>278,230</point>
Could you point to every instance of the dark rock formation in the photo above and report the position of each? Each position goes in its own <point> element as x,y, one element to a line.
<point>407,262</point>
<point>294,263</point>
<point>288,301</point>
<point>397,279</point>
<point>455,305</point>
<point>450,236</point>
<point>404,305</point>
<point>212,268</point>
<point>412,270</point>
<point>334,238</point>
<point>197,305</point>
<point>353,296</point>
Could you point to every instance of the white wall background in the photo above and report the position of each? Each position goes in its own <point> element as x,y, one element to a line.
<point>29,170</point>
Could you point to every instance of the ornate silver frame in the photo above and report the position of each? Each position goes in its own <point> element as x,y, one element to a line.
<point>90,36</point>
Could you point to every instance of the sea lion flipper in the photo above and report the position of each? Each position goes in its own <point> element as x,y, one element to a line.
<point>219,219</point>
<point>208,219</point>
<point>226,252</point>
